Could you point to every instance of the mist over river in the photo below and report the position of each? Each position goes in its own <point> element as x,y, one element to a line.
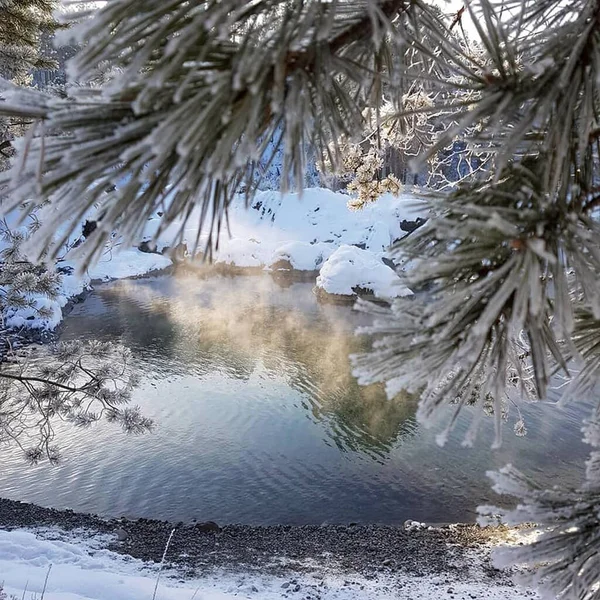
<point>260,421</point>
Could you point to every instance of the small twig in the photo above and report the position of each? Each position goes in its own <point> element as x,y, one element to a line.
<point>46,582</point>
<point>162,564</point>
<point>458,18</point>
<point>196,593</point>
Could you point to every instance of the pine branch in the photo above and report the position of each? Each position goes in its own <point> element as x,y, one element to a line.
<point>275,76</point>
<point>34,396</point>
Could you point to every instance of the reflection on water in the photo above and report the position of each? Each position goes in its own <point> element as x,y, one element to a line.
<point>260,420</point>
<point>233,326</point>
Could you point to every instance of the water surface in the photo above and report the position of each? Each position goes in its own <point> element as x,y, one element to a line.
<point>260,421</point>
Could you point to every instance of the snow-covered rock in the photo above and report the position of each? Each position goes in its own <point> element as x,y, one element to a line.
<point>302,256</point>
<point>242,252</point>
<point>350,268</point>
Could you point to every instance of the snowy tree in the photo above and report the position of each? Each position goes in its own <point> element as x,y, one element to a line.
<point>379,160</point>
<point>22,24</point>
<point>509,265</point>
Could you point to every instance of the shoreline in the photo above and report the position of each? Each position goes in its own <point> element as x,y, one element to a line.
<point>22,337</point>
<point>199,549</point>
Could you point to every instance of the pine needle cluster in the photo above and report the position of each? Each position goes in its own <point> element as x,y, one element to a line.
<point>80,383</point>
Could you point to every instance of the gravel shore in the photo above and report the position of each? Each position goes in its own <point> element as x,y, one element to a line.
<point>279,550</point>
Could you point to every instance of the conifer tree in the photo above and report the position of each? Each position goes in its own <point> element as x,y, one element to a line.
<point>510,259</point>
<point>22,23</point>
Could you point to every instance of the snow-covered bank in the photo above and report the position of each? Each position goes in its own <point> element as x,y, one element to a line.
<point>128,262</point>
<point>306,233</point>
<point>317,216</point>
<point>330,562</point>
<point>315,232</point>
<point>114,264</point>
<point>66,567</point>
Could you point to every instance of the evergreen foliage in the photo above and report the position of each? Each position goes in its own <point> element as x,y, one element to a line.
<point>80,383</point>
<point>21,282</point>
<point>508,265</point>
<point>22,24</point>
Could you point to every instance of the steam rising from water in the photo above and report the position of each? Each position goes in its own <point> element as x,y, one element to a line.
<point>238,325</point>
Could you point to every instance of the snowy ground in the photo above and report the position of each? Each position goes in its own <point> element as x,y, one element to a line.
<point>64,567</point>
<point>307,233</point>
<point>114,264</point>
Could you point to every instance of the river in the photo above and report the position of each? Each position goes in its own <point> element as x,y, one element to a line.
<point>259,420</point>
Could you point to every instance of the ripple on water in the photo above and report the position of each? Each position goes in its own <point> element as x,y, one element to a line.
<point>259,419</point>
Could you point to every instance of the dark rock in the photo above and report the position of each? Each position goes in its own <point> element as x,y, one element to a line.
<point>208,527</point>
<point>65,270</point>
<point>410,226</point>
<point>148,247</point>
<point>179,252</point>
<point>88,228</point>
<point>122,535</point>
<point>388,262</point>
<point>283,264</point>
